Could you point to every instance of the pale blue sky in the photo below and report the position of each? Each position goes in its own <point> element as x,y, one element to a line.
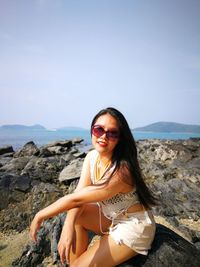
<point>63,60</point>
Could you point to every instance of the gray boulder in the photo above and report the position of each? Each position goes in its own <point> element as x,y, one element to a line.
<point>168,249</point>
<point>29,149</point>
<point>71,171</point>
<point>13,189</point>
<point>6,149</point>
<point>43,169</point>
<point>67,144</point>
<point>15,165</point>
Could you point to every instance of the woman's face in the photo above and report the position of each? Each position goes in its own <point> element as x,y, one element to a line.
<point>105,135</point>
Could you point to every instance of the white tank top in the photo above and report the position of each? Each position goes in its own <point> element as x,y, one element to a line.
<point>119,203</point>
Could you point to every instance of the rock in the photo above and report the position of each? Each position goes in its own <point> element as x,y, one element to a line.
<point>4,190</point>
<point>68,157</point>
<point>171,170</point>
<point>43,169</point>
<point>163,153</point>
<point>21,207</point>
<point>178,198</point>
<point>56,150</point>
<point>71,171</point>
<point>15,165</point>
<point>47,241</point>
<point>13,189</point>
<point>4,159</point>
<point>79,155</point>
<point>168,249</point>
<point>68,144</point>
<point>23,184</point>
<point>34,254</point>
<point>77,141</point>
<point>45,152</point>
<point>6,149</point>
<point>29,149</point>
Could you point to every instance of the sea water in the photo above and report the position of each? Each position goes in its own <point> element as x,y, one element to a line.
<point>17,138</point>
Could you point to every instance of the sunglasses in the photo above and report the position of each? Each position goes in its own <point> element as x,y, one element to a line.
<point>98,131</point>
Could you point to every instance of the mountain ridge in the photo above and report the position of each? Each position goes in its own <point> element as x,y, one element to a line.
<point>36,127</point>
<point>21,127</point>
<point>169,127</point>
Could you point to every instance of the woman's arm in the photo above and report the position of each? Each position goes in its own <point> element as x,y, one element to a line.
<point>73,213</point>
<point>85,195</point>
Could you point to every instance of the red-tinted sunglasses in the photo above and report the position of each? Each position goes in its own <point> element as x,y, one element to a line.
<point>98,131</point>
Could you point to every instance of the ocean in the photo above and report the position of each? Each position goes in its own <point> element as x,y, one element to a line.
<point>18,139</point>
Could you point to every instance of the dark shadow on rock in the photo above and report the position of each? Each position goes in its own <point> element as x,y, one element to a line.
<point>3,247</point>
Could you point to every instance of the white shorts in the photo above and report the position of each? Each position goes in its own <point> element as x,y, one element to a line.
<point>136,230</point>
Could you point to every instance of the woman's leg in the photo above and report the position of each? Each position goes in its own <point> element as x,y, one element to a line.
<point>104,252</point>
<point>88,219</point>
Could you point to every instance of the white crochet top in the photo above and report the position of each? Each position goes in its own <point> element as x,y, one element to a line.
<point>119,203</point>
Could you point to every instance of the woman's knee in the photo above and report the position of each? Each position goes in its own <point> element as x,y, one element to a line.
<point>81,216</point>
<point>87,211</point>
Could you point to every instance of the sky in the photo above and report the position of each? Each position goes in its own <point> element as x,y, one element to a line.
<point>62,61</point>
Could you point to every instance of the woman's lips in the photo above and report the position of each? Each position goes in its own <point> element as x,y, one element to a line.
<point>102,143</point>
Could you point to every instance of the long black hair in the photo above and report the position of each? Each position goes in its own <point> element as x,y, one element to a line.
<point>126,151</point>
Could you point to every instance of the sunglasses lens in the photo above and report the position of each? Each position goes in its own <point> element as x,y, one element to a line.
<point>98,131</point>
<point>112,135</point>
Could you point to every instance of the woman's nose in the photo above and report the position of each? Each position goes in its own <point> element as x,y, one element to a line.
<point>104,135</point>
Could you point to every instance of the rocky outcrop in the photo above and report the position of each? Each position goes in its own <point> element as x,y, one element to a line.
<point>71,171</point>
<point>172,171</point>
<point>168,249</point>
<point>6,149</point>
<point>29,149</point>
<point>29,180</point>
<point>33,177</point>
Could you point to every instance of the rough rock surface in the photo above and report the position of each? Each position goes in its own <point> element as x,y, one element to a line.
<point>71,171</point>
<point>6,149</point>
<point>30,179</point>
<point>168,249</point>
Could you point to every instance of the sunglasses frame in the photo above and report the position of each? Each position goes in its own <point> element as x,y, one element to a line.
<point>109,133</point>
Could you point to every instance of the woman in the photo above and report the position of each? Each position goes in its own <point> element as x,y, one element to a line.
<point>111,199</point>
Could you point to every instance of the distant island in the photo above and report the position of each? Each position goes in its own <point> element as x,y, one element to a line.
<point>158,127</point>
<point>20,127</point>
<point>36,127</point>
<point>169,127</point>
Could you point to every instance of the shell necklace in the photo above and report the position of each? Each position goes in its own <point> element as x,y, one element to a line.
<point>101,169</point>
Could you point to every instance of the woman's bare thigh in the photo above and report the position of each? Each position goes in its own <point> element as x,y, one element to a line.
<point>104,252</point>
<point>90,219</point>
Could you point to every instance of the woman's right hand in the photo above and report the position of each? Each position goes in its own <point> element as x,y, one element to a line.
<point>66,243</point>
<point>35,226</point>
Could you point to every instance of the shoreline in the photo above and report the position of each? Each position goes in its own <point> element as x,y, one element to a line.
<point>18,142</point>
